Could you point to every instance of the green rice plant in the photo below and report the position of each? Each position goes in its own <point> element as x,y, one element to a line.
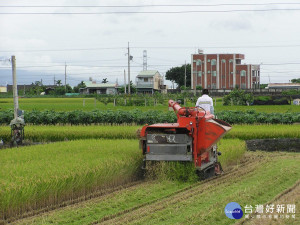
<point>232,151</point>
<point>61,133</point>
<point>171,202</point>
<point>44,175</point>
<point>173,171</point>
<point>248,132</point>
<point>67,132</point>
<point>89,104</point>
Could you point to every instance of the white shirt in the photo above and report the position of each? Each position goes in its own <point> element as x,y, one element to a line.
<point>206,103</point>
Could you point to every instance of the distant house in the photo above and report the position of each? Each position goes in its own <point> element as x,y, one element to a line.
<point>102,88</point>
<point>149,81</point>
<point>283,86</point>
<point>3,89</point>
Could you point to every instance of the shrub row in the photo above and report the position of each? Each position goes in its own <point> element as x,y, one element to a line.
<point>139,117</point>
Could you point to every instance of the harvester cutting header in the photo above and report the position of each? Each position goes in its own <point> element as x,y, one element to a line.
<point>192,139</point>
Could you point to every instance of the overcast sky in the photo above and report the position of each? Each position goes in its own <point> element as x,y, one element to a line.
<point>94,43</point>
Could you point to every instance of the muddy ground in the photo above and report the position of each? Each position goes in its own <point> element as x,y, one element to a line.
<point>284,144</point>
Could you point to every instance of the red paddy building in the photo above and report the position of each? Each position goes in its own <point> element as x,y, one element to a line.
<point>223,71</point>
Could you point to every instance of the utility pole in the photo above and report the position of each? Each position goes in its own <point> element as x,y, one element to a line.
<point>185,74</point>
<point>125,80</point>
<point>145,60</point>
<point>129,57</point>
<point>54,80</point>
<point>17,124</point>
<point>15,89</point>
<point>65,77</point>
<point>196,78</point>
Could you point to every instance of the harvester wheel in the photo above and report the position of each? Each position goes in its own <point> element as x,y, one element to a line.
<point>207,173</point>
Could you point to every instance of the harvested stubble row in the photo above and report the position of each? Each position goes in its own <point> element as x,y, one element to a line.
<point>61,133</point>
<point>44,175</point>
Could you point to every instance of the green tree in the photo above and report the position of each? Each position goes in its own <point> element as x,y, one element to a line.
<point>296,80</point>
<point>263,86</point>
<point>176,74</point>
<point>132,89</point>
<point>37,88</point>
<point>238,97</point>
<point>60,90</point>
<point>80,85</point>
<point>58,82</point>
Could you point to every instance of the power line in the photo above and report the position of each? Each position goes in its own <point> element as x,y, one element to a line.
<point>146,6</point>
<point>74,49</point>
<point>154,47</point>
<point>148,12</point>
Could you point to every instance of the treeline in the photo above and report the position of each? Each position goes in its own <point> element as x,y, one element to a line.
<point>139,117</point>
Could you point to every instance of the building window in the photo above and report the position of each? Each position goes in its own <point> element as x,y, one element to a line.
<point>198,62</point>
<point>208,60</point>
<point>243,73</point>
<point>208,71</point>
<point>223,61</point>
<point>243,86</point>
<point>199,74</point>
<point>214,73</point>
<point>213,62</point>
<point>145,79</point>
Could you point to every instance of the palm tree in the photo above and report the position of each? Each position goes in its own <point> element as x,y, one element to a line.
<point>58,82</point>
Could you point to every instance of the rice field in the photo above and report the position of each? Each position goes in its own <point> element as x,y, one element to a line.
<point>61,133</point>
<point>46,175</point>
<point>260,178</point>
<point>43,175</point>
<point>88,104</point>
<point>84,160</point>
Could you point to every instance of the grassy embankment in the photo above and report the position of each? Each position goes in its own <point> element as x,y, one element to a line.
<point>61,133</point>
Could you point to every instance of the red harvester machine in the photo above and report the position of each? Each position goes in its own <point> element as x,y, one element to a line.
<point>192,139</point>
